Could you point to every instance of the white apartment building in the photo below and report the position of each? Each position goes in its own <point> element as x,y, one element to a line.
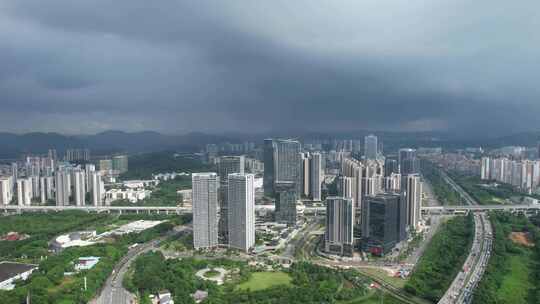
<point>241,209</point>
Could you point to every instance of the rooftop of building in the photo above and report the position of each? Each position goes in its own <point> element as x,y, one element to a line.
<point>11,269</point>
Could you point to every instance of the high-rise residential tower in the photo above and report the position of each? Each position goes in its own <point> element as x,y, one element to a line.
<point>354,169</point>
<point>89,169</point>
<point>47,188</point>
<point>282,163</point>
<point>24,191</point>
<point>413,194</point>
<point>316,176</point>
<point>339,235</point>
<point>6,190</point>
<point>306,176</point>
<point>268,177</point>
<point>226,166</point>
<point>485,168</point>
<point>371,147</point>
<point>120,163</point>
<point>286,197</point>
<point>79,187</point>
<point>98,188</point>
<point>408,162</point>
<point>205,209</point>
<point>241,194</point>
<point>62,186</point>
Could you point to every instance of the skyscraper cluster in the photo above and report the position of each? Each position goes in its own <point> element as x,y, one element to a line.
<point>384,202</point>
<point>73,183</point>
<point>44,180</point>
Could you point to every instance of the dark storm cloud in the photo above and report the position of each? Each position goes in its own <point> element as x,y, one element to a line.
<point>176,66</point>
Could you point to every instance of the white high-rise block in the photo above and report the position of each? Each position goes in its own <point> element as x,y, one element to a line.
<point>62,186</point>
<point>241,211</point>
<point>98,189</point>
<point>24,191</point>
<point>205,209</point>
<point>414,200</point>
<point>89,169</point>
<point>6,190</point>
<point>79,183</point>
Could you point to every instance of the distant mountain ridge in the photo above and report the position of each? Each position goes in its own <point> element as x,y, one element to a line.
<point>14,145</point>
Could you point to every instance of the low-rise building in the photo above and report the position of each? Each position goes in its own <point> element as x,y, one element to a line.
<point>140,184</point>
<point>86,263</point>
<point>132,195</point>
<point>11,272</point>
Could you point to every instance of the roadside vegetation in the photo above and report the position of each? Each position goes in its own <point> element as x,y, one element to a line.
<point>513,272</point>
<point>442,190</point>
<point>442,259</point>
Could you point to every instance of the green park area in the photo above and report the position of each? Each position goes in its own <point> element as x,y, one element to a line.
<point>513,272</point>
<point>442,259</point>
<point>302,283</point>
<point>264,280</point>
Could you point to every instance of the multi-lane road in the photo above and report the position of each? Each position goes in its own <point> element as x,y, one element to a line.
<point>462,288</point>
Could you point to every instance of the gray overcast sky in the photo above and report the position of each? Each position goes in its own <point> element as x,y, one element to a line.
<point>254,66</point>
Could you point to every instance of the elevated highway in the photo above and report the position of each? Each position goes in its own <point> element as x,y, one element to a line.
<point>524,208</point>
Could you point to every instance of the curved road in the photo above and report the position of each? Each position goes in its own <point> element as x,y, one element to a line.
<point>113,292</point>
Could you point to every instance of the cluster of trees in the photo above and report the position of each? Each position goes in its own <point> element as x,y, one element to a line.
<point>443,259</point>
<point>42,228</point>
<point>444,193</point>
<point>484,195</point>
<point>48,284</point>
<point>311,284</point>
<point>164,194</point>
<point>142,166</point>
<point>503,248</point>
<point>151,273</point>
